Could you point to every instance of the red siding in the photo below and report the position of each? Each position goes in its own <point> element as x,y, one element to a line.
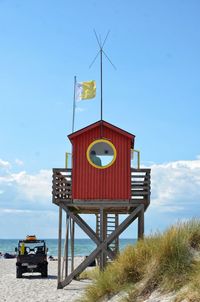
<point>89,182</point>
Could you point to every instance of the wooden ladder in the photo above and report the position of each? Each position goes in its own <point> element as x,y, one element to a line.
<point>112,222</point>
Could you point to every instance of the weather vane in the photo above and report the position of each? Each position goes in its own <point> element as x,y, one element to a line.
<point>101,52</point>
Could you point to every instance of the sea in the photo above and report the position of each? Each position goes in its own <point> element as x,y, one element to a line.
<point>82,247</point>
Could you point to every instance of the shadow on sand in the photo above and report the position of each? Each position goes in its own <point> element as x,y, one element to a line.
<point>32,276</point>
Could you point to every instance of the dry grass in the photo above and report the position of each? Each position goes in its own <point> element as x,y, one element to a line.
<point>191,292</point>
<point>161,260</point>
<point>90,274</point>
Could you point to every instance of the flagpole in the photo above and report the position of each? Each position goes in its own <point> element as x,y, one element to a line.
<point>101,71</point>
<point>74,104</point>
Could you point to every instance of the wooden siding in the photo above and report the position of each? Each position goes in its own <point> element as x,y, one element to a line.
<point>140,192</point>
<point>92,183</point>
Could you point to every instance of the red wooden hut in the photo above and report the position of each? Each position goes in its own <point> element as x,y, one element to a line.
<point>107,175</point>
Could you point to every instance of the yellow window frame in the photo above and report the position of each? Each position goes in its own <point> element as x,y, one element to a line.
<point>101,141</point>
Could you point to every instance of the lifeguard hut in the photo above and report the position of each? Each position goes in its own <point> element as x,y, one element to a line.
<point>101,182</point>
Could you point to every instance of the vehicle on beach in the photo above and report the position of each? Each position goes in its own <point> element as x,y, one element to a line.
<point>31,256</point>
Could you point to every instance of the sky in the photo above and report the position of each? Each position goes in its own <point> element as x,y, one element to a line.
<point>153,93</point>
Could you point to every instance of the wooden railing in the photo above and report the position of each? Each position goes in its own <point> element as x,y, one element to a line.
<point>140,185</point>
<point>62,184</point>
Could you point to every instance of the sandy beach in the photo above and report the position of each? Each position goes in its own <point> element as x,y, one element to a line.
<point>33,288</point>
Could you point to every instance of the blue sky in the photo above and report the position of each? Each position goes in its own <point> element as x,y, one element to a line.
<point>154,94</point>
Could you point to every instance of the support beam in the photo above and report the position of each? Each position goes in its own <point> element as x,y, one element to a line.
<point>141,224</point>
<point>103,231</point>
<point>97,225</point>
<point>87,229</point>
<point>98,231</point>
<point>117,239</point>
<point>72,230</point>
<point>67,245</point>
<point>59,245</point>
<point>102,246</point>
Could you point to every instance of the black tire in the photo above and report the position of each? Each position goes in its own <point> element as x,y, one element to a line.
<point>18,272</point>
<point>44,272</point>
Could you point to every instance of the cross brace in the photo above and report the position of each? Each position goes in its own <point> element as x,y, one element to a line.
<point>102,247</point>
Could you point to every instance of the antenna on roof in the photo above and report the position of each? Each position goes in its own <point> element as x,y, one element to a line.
<point>101,52</point>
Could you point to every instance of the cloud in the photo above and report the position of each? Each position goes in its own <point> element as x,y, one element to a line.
<point>13,211</point>
<point>4,165</point>
<point>34,187</point>
<point>175,186</point>
<point>19,223</point>
<point>19,162</point>
<point>27,196</point>
<point>26,203</point>
<point>23,190</point>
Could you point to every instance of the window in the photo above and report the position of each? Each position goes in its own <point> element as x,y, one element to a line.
<point>101,154</point>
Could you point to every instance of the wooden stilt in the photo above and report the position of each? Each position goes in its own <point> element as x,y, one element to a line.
<point>72,230</point>
<point>66,250</point>
<point>98,232</point>
<point>141,224</point>
<point>97,225</point>
<point>103,231</point>
<point>59,246</point>
<point>117,239</point>
<point>67,245</point>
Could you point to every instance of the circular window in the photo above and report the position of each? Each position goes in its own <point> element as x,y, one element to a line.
<point>101,154</point>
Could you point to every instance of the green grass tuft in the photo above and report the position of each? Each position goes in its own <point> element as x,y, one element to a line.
<point>161,260</point>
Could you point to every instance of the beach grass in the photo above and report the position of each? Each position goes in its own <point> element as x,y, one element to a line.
<point>167,261</point>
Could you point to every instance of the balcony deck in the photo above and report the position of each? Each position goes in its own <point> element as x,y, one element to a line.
<point>140,194</point>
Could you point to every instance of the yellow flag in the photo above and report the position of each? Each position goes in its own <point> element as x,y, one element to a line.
<point>85,90</point>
